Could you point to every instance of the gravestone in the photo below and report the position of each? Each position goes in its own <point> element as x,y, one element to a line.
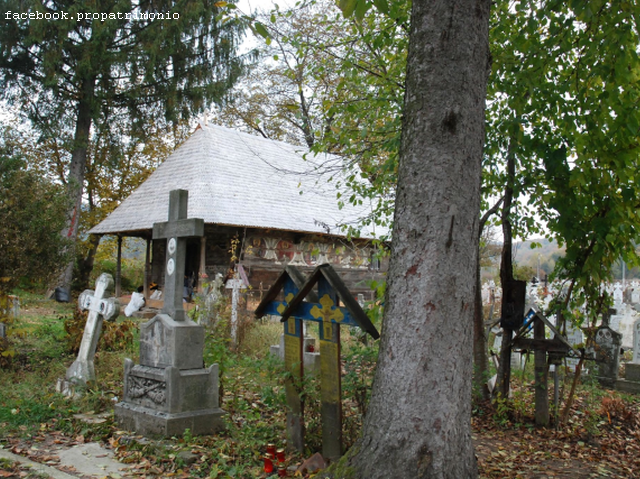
<point>636,342</point>
<point>211,301</point>
<point>235,285</point>
<point>631,381</point>
<point>607,348</point>
<point>171,390</point>
<point>311,358</point>
<point>575,337</point>
<point>101,307</point>
<point>617,294</point>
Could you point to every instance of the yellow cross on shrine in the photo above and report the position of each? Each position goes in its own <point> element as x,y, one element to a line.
<point>291,322</point>
<point>326,314</point>
<point>283,306</point>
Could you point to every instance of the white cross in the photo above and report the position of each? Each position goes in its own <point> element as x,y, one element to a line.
<point>101,307</point>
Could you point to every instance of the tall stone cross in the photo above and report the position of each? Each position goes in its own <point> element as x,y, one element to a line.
<point>101,307</point>
<point>176,231</point>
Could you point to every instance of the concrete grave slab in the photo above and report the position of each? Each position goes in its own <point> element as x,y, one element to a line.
<point>92,459</point>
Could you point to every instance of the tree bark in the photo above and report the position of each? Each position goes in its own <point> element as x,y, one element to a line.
<point>506,279</point>
<point>75,178</point>
<point>418,421</point>
<point>480,357</point>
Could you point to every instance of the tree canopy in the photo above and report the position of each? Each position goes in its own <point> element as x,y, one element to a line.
<point>561,105</point>
<point>89,65</point>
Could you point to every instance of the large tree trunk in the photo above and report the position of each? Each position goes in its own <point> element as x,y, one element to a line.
<point>418,423</point>
<point>75,178</point>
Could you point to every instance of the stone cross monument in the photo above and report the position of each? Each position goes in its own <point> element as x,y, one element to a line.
<point>101,307</point>
<point>608,344</point>
<point>170,390</point>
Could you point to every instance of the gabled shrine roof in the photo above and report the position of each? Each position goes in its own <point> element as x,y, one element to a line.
<point>238,179</point>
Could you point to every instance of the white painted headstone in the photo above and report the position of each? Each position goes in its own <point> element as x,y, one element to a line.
<point>636,342</point>
<point>617,294</point>
<point>234,284</point>
<point>497,342</point>
<point>101,307</point>
<point>575,337</point>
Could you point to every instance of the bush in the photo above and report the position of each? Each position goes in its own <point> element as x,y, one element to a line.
<point>32,215</point>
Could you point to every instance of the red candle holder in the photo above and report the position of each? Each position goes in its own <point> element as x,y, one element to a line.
<point>268,463</point>
<point>282,471</point>
<point>280,455</point>
<point>271,449</point>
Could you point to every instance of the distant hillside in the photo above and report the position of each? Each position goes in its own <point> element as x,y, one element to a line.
<point>544,256</point>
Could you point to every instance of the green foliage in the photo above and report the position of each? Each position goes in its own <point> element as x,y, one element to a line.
<point>359,362</point>
<point>32,214</point>
<point>115,336</point>
<point>561,100</point>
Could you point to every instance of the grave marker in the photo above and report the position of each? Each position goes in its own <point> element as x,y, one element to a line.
<point>327,312</point>
<point>101,308</point>
<point>608,344</point>
<point>555,348</point>
<point>636,342</point>
<point>289,282</point>
<point>631,381</point>
<point>235,285</point>
<point>170,390</point>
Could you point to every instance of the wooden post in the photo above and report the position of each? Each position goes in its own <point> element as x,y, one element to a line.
<point>147,270</point>
<point>330,377</point>
<point>541,376</point>
<point>203,264</point>
<point>119,268</point>
<point>293,364</point>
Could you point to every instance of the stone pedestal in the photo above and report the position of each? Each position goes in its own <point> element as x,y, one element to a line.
<point>170,390</point>
<point>631,382</point>
<point>311,359</point>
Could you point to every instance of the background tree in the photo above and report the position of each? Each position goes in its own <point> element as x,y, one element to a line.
<point>335,85</point>
<point>32,213</point>
<point>81,74</point>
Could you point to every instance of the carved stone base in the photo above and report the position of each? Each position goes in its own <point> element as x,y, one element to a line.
<point>166,401</point>
<point>151,423</point>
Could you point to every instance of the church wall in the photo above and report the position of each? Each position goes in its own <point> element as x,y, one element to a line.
<point>264,253</point>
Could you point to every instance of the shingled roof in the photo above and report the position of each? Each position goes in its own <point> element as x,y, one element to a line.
<point>237,179</point>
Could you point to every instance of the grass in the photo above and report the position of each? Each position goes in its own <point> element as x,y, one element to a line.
<point>253,398</point>
<point>253,393</point>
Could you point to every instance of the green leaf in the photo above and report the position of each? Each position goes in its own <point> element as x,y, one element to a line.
<point>347,7</point>
<point>382,5</point>
<point>362,7</point>
<point>261,30</point>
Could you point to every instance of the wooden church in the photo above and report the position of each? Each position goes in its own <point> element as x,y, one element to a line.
<point>265,204</point>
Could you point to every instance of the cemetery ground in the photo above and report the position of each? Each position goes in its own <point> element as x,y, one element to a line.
<point>600,440</point>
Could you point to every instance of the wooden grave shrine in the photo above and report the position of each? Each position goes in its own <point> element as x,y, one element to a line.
<point>324,309</point>
<point>557,349</point>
